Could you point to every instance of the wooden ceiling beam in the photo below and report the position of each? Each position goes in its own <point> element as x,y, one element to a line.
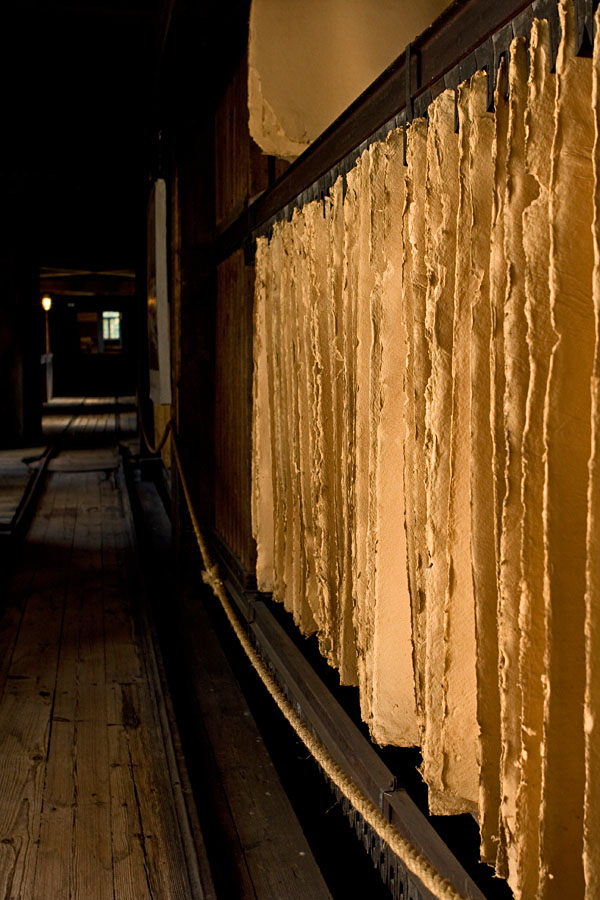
<point>74,285</point>
<point>96,11</point>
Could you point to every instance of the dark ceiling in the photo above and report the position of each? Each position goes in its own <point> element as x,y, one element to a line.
<point>81,107</point>
<point>77,108</point>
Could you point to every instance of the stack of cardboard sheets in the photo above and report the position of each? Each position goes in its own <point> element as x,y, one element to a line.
<point>426,454</point>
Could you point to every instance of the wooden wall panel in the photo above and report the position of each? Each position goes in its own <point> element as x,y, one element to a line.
<point>193,305</point>
<point>233,407</point>
<point>241,169</point>
<point>162,414</point>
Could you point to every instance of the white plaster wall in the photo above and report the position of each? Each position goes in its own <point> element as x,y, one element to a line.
<point>309,59</point>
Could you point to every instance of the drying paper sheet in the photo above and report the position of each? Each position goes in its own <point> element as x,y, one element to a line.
<point>324,462</point>
<point>460,727</point>
<point>440,250</point>
<point>277,419</point>
<point>348,448</point>
<point>418,371</point>
<point>378,223</point>
<point>338,366</point>
<point>262,466</point>
<point>567,426</point>
<point>492,837</point>
<point>539,131</point>
<point>426,450</point>
<point>304,368</point>
<point>520,191</point>
<point>363,612</point>
<point>292,560</point>
<point>305,450</point>
<point>286,488</point>
<point>394,707</point>
<point>480,184</point>
<point>592,623</point>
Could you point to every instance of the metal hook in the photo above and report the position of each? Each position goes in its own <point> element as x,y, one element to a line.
<point>408,102</point>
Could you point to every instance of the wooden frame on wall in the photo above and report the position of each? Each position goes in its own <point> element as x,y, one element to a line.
<point>159,346</point>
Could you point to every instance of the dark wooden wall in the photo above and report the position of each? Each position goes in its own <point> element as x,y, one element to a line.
<point>21,322</point>
<point>241,172</point>
<point>233,406</point>
<point>193,312</point>
<point>241,169</point>
<point>214,170</point>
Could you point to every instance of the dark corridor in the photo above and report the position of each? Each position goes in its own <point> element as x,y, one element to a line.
<point>141,757</point>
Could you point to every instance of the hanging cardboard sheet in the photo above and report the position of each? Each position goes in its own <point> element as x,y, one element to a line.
<point>363,612</point>
<point>520,191</point>
<point>347,450</point>
<point>292,563</point>
<point>493,840</point>
<point>418,371</point>
<point>567,428</point>
<point>262,465</point>
<point>423,423</point>
<point>273,313</point>
<point>394,707</point>
<point>481,138</point>
<point>324,461</point>
<point>592,622</point>
<point>539,130</point>
<point>440,252</point>
<point>460,728</point>
<point>344,640</point>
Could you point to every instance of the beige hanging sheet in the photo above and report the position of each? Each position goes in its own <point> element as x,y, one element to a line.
<point>539,131</point>
<point>394,706</point>
<point>262,465</point>
<point>567,429</point>
<point>425,450</point>
<point>440,256</point>
<point>592,620</point>
<point>418,372</point>
<point>519,192</point>
<point>479,186</point>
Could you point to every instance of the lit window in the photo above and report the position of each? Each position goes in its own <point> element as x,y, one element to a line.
<point>111,326</point>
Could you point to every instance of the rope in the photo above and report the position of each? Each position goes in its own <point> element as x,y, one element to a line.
<point>411,857</point>
<point>155,449</point>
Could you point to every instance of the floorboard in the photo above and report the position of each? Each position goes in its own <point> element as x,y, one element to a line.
<point>251,830</point>
<point>87,808</point>
<point>15,475</point>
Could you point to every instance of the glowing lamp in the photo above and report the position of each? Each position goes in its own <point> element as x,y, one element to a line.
<point>47,303</point>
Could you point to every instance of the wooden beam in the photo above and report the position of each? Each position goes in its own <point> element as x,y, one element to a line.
<point>165,22</point>
<point>98,11</point>
<point>73,285</point>
<point>456,35</point>
<point>341,737</point>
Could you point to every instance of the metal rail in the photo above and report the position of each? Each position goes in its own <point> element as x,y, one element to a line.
<point>344,741</point>
<point>470,35</point>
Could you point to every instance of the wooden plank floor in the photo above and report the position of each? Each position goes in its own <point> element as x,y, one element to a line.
<point>97,418</point>
<point>253,836</point>
<point>87,807</point>
<point>15,475</point>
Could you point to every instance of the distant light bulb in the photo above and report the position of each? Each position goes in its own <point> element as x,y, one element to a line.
<point>47,303</point>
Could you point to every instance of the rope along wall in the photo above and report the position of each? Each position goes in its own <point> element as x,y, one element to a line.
<point>414,861</point>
